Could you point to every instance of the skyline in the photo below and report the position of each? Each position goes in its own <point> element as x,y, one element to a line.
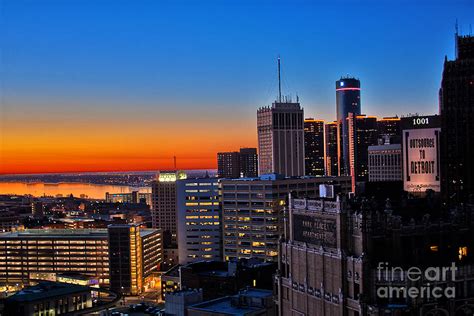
<point>84,91</point>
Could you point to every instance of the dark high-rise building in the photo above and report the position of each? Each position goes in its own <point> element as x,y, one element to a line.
<point>164,208</point>
<point>248,162</point>
<point>281,139</point>
<point>228,164</point>
<point>456,101</point>
<point>330,143</point>
<point>236,164</point>
<point>314,147</point>
<point>362,134</point>
<point>126,260</point>
<point>347,101</point>
<point>389,130</point>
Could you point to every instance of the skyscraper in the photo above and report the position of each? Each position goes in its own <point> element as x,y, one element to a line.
<point>164,208</point>
<point>236,164</point>
<point>456,102</point>
<point>281,139</point>
<point>389,130</point>
<point>347,101</point>
<point>248,162</point>
<point>314,147</point>
<point>199,220</point>
<point>362,134</point>
<point>330,143</point>
<point>228,164</point>
<point>126,260</point>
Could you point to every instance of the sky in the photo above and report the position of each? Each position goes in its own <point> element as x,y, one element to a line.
<point>115,85</point>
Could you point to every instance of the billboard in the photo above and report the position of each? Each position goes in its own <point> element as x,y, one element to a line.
<point>421,168</point>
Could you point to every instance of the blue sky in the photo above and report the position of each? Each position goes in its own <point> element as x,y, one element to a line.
<point>221,54</point>
<point>140,62</point>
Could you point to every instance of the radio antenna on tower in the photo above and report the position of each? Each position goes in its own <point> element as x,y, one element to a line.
<point>279,81</point>
<point>174,161</point>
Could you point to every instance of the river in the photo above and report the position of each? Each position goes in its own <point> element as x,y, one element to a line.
<point>87,190</point>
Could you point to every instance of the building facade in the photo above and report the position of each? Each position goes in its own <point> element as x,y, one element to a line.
<point>281,139</point>
<point>385,163</point>
<point>314,147</point>
<point>456,104</point>
<point>199,220</point>
<point>331,149</point>
<point>125,260</point>
<point>347,101</point>
<point>248,162</point>
<point>42,254</point>
<point>342,258</point>
<point>228,164</point>
<point>164,208</point>
<point>49,298</point>
<point>389,130</point>
<point>253,212</point>
<point>32,255</point>
<point>236,164</point>
<point>362,134</point>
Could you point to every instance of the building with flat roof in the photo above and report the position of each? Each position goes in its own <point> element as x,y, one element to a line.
<point>253,211</point>
<point>177,302</point>
<point>49,298</point>
<point>219,278</point>
<point>199,220</point>
<point>281,139</point>
<point>45,254</point>
<point>331,159</point>
<point>37,254</point>
<point>314,147</point>
<point>248,302</point>
<point>164,208</point>
<point>385,163</point>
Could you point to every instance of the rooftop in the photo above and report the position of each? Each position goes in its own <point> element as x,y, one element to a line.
<point>46,289</point>
<point>227,306</point>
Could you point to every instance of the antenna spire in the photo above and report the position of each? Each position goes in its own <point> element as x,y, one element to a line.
<point>279,81</point>
<point>174,161</point>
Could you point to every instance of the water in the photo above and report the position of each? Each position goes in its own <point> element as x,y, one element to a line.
<point>87,190</point>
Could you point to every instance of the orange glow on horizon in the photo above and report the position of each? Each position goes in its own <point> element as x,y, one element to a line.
<point>93,145</point>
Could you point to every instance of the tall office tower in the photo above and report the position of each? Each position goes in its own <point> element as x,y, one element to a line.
<point>253,211</point>
<point>330,144</point>
<point>456,98</point>
<point>248,162</point>
<point>362,134</point>
<point>164,208</point>
<point>389,131</point>
<point>125,260</point>
<point>199,220</point>
<point>281,139</point>
<point>314,147</point>
<point>228,165</point>
<point>347,101</point>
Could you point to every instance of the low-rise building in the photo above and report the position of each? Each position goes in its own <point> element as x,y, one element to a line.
<point>49,298</point>
<point>248,302</point>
